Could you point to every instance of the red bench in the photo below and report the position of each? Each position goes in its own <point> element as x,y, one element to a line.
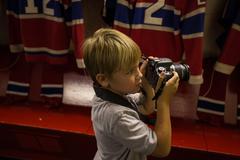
<point>34,131</point>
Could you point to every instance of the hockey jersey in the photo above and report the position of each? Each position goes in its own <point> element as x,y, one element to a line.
<point>165,28</point>
<point>213,102</point>
<point>43,29</point>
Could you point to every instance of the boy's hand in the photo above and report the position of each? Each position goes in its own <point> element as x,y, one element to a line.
<point>143,66</point>
<point>148,91</point>
<point>172,84</point>
<point>170,87</point>
<point>145,84</point>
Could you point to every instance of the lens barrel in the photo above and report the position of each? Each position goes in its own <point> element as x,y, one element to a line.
<point>182,70</point>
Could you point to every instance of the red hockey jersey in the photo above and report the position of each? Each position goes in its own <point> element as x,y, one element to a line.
<point>166,28</point>
<point>212,99</point>
<point>230,57</point>
<point>43,30</point>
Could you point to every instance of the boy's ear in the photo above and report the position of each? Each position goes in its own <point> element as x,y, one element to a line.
<point>102,79</point>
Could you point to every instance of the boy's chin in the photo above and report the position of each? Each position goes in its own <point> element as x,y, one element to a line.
<point>135,91</point>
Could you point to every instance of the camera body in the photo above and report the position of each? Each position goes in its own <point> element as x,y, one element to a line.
<point>166,65</point>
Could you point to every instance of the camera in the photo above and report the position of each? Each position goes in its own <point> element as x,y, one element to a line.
<point>157,65</point>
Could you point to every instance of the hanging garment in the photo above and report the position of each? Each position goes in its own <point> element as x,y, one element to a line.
<point>43,29</point>
<point>213,101</point>
<point>165,28</point>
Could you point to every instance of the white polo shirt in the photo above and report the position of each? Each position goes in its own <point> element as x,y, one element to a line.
<point>120,133</point>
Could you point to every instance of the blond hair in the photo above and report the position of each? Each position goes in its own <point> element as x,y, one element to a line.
<point>109,50</point>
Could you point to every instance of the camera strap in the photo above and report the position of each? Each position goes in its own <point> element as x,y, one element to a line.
<point>107,95</point>
<point>159,91</point>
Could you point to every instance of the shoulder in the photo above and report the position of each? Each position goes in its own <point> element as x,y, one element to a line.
<point>109,109</point>
<point>107,113</point>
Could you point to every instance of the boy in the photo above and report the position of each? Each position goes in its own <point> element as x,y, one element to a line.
<point>112,60</point>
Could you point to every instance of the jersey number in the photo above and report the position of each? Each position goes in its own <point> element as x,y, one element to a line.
<point>149,12</point>
<point>31,8</point>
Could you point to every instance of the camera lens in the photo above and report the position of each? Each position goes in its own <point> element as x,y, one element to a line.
<point>182,70</point>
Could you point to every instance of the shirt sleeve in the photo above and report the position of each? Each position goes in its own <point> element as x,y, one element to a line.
<point>134,134</point>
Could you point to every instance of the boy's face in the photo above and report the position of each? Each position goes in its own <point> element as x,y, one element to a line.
<point>126,81</point>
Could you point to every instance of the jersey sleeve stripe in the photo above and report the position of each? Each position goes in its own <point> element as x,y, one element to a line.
<point>153,27</point>
<point>48,50</point>
<point>35,16</point>
<point>51,90</point>
<point>207,110</point>
<point>195,79</point>
<point>17,88</point>
<point>211,106</point>
<point>18,84</point>
<point>224,68</point>
<point>194,13</point>
<point>17,92</point>
<point>194,35</point>
<point>236,27</point>
<point>75,22</point>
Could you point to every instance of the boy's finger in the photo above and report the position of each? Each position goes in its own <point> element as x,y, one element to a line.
<point>160,80</point>
<point>143,66</point>
<point>175,77</point>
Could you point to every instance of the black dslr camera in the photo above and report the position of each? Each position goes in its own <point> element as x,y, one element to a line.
<point>158,65</point>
